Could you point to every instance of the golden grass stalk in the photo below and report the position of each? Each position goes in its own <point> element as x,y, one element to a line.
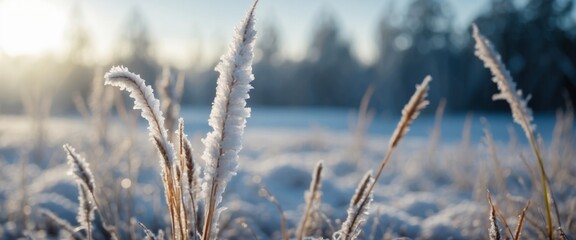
<point>228,120</point>
<point>410,112</point>
<point>501,216</point>
<point>312,198</point>
<point>494,231</point>
<point>521,221</point>
<point>144,100</point>
<point>357,211</point>
<point>189,169</point>
<point>520,111</point>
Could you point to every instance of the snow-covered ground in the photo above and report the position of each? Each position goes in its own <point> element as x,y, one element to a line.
<point>434,187</point>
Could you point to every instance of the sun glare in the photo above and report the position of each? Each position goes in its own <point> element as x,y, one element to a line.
<point>31,27</point>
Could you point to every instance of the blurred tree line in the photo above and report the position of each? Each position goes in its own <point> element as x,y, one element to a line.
<point>537,41</point>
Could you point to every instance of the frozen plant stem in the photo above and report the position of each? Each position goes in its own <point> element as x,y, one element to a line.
<point>410,112</point>
<point>227,119</point>
<point>521,221</point>
<point>144,100</point>
<point>312,198</point>
<point>357,211</point>
<point>494,231</point>
<point>520,111</point>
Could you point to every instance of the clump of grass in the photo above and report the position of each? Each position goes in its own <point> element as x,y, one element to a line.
<point>188,166</point>
<point>521,114</point>
<point>227,118</point>
<point>144,100</point>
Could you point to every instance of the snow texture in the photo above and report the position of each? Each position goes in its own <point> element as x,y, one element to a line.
<point>423,196</point>
<point>228,115</point>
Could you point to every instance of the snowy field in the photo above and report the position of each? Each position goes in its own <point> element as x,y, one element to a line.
<point>434,187</point>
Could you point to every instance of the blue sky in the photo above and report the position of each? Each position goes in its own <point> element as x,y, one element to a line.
<point>180,27</point>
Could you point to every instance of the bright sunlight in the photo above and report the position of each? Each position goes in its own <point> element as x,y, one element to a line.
<point>31,27</point>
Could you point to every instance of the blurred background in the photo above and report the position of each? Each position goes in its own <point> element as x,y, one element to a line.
<point>322,53</point>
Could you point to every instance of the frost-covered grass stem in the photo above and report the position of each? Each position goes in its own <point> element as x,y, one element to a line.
<point>312,198</point>
<point>144,100</point>
<point>357,211</point>
<point>227,119</point>
<point>520,111</point>
<point>494,231</point>
<point>410,112</point>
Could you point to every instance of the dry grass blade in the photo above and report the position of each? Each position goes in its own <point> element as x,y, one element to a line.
<point>494,230</point>
<point>228,120</point>
<point>80,168</point>
<point>264,192</point>
<point>149,234</point>
<point>562,234</point>
<point>189,169</point>
<point>521,222</point>
<point>501,216</point>
<point>520,111</point>
<point>61,223</point>
<point>144,100</point>
<point>170,93</point>
<point>364,119</point>
<point>85,180</point>
<point>488,141</point>
<point>357,211</point>
<point>312,198</point>
<point>411,111</point>
<point>81,171</point>
<point>85,210</point>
